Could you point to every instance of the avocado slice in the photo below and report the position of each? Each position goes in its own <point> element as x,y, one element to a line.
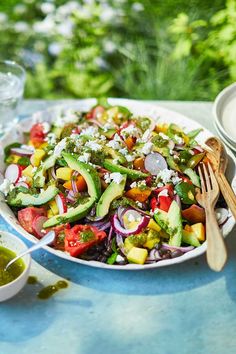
<point>190,238</point>
<point>109,133</point>
<point>172,164</point>
<point>88,172</point>
<point>114,154</point>
<point>132,174</point>
<point>175,222</point>
<point>113,191</point>
<point>193,177</point>
<point>171,222</point>
<point>39,176</point>
<point>26,199</point>
<point>72,215</point>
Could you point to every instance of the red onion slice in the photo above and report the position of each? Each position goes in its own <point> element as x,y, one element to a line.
<point>73,181</point>
<point>71,198</point>
<point>13,173</point>
<point>22,151</point>
<point>37,226</point>
<point>173,248</point>
<point>53,173</point>
<point>124,232</point>
<point>154,163</point>
<point>120,243</point>
<point>61,203</point>
<point>154,255</point>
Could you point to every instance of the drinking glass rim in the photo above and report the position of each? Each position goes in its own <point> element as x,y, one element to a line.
<point>16,65</point>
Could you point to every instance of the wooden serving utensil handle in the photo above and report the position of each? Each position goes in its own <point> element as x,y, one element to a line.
<point>227,192</point>
<point>216,250</point>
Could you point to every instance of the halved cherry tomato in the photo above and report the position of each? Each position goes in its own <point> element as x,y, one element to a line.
<point>59,240</point>
<point>130,142</point>
<point>169,188</point>
<point>37,135</point>
<point>139,163</point>
<point>153,203</point>
<point>138,194</point>
<point>163,202</point>
<point>82,237</point>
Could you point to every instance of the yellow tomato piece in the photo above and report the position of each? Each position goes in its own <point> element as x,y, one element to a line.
<point>199,231</point>
<point>53,207</point>
<point>153,225</point>
<point>137,255</point>
<point>37,157</point>
<point>64,173</point>
<point>27,172</point>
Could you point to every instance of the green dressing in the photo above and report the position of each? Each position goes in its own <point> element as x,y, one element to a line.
<point>14,271</point>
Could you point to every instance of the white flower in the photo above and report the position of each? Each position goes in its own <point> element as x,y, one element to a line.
<point>55,48</point>
<point>137,6</point>
<point>100,62</point>
<point>107,14</point>
<point>47,8</point>
<point>45,27</point>
<point>19,9</point>
<point>66,28</point>
<point>109,47</point>
<point>3,17</point>
<point>21,26</point>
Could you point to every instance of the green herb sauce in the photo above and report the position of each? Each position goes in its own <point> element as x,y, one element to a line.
<point>50,290</point>
<point>14,271</point>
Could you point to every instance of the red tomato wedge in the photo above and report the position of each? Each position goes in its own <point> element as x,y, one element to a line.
<point>37,134</point>
<point>82,237</point>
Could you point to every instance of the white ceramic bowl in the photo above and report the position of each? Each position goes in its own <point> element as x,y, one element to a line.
<point>14,244</point>
<point>224,111</point>
<point>138,108</point>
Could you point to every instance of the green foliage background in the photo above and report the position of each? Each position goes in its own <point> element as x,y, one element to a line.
<point>173,49</point>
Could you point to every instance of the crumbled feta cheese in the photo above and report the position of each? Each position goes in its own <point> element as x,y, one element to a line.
<point>6,186</point>
<point>133,185</point>
<point>107,126</point>
<point>164,136</point>
<point>114,145</point>
<point>46,127</point>
<point>116,177</point>
<point>163,193</point>
<point>147,148</point>
<point>130,157</point>
<point>117,137</point>
<point>66,117</point>
<point>131,218</point>
<point>116,161</point>
<point>51,138</point>
<point>103,138</point>
<point>131,130</point>
<point>60,147</point>
<point>91,131</point>
<point>145,136</point>
<point>178,139</point>
<point>139,204</point>
<point>167,176</point>
<point>119,259</point>
<point>93,145</point>
<point>85,157</point>
<point>141,183</point>
<point>107,178</point>
<point>123,151</point>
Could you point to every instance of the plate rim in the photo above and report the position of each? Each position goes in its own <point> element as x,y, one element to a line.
<point>122,101</point>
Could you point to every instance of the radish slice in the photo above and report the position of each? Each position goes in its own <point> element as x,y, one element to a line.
<point>124,232</point>
<point>37,226</point>
<point>154,163</point>
<point>131,218</point>
<point>61,203</point>
<point>22,184</point>
<point>173,248</point>
<point>221,215</point>
<point>13,173</point>
<point>22,151</point>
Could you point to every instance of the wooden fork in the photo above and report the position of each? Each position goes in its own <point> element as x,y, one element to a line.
<point>207,198</point>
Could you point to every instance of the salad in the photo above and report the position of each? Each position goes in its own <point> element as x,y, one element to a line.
<point>115,188</point>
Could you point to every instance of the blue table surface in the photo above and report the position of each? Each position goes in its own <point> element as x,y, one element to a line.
<point>182,309</point>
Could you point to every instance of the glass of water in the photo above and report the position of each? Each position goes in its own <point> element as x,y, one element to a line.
<point>12,80</point>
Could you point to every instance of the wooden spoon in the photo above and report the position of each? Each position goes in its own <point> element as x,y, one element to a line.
<point>219,159</point>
